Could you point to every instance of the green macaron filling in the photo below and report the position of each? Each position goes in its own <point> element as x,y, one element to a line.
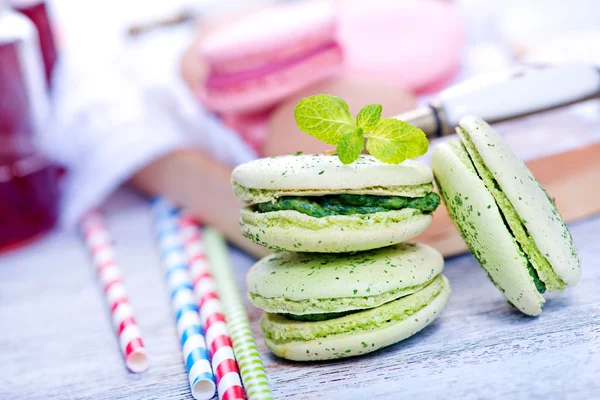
<point>280,329</point>
<point>349,204</point>
<point>329,306</point>
<point>540,269</point>
<point>316,317</point>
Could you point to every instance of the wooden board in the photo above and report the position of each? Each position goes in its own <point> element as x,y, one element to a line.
<point>572,178</point>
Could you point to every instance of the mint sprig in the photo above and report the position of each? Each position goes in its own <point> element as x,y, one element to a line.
<point>350,146</point>
<point>325,117</point>
<point>368,117</point>
<point>393,141</point>
<point>328,119</point>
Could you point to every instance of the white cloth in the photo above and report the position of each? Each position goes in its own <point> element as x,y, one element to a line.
<point>117,112</point>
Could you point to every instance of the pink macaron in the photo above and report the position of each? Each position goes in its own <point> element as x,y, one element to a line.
<point>251,127</point>
<point>257,61</point>
<point>416,44</point>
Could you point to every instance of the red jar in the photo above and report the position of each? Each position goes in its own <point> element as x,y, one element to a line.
<point>37,12</point>
<point>28,182</point>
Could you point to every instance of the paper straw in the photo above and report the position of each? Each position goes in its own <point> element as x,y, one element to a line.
<point>244,347</point>
<point>102,251</point>
<point>183,300</point>
<point>229,384</point>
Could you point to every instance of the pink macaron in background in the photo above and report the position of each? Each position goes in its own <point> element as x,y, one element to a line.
<point>252,65</point>
<point>256,61</point>
<point>251,127</point>
<point>413,43</point>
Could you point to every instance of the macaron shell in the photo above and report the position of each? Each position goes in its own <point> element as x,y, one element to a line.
<point>340,346</point>
<point>251,127</point>
<point>322,172</point>
<point>303,276</point>
<point>413,43</point>
<point>531,202</point>
<point>288,24</point>
<point>282,230</point>
<point>480,223</point>
<point>259,94</point>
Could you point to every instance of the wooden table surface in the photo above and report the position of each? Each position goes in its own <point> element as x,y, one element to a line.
<point>56,340</point>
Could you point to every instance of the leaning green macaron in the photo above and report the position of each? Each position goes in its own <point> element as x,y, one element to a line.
<point>508,221</point>
<point>314,203</point>
<point>326,306</point>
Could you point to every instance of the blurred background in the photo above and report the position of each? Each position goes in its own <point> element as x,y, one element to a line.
<point>168,96</point>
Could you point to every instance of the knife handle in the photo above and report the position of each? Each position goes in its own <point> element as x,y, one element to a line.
<point>516,92</point>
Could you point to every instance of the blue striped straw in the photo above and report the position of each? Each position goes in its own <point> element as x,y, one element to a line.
<point>183,300</point>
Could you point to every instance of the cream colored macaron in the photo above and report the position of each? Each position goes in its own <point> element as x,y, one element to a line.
<point>508,221</point>
<point>314,203</point>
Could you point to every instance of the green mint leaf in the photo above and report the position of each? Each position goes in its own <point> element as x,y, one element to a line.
<point>339,100</point>
<point>393,141</point>
<point>325,117</point>
<point>368,117</point>
<point>350,146</point>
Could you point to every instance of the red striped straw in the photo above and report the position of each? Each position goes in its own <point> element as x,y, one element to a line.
<point>229,384</point>
<point>101,248</point>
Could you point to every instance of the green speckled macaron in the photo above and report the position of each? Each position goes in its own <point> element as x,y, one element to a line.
<point>314,203</point>
<point>324,306</point>
<point>508,221</point>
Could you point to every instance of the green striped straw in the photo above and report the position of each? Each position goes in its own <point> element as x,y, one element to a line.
<point>246,353</point>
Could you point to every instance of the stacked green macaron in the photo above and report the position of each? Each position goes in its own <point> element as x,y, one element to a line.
<point>342,283</point>
<point>328,306</point>
<point>314,203</point>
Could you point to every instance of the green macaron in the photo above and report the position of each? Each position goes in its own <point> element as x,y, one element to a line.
<point>314,203</point>
<point>326,306</point>
<point>508,221</point>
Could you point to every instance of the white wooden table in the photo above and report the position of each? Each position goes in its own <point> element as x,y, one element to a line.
<point>56,340</point>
